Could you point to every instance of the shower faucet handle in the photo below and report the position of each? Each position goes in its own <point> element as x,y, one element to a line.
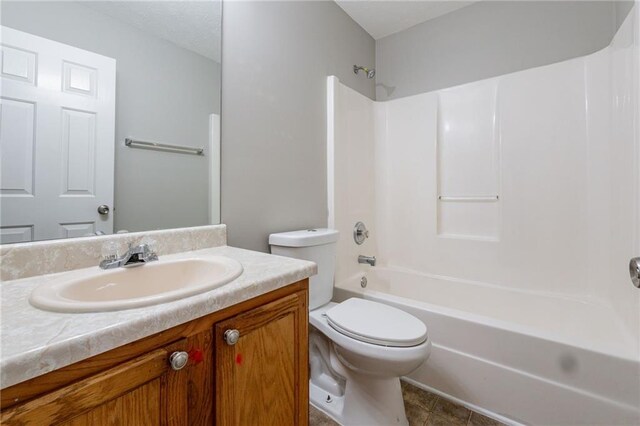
<point>634,271</point>
<point>360,233</point>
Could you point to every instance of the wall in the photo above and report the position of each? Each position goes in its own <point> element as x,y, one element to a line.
<point>545,160</point>
<point>153,190</point>
<point>276,57</point>
<point>621,11</point>
<point>491,38</point>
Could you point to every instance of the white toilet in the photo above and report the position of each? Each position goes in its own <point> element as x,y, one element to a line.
<point>358,349</point>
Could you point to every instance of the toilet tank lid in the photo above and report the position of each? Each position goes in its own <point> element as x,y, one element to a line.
<point>304,238</point>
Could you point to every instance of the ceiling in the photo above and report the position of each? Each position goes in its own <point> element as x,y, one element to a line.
<point>192,25</point>
<point>385,17</point>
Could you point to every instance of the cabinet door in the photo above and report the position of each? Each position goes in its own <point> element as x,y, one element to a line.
<point>262,379</point>
<point>144,391</point>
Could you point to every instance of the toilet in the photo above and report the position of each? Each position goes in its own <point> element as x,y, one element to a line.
<point>358,349</point>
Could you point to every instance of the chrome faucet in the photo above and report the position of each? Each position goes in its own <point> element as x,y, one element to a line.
<point>371,260</point>
<point>135,256</point>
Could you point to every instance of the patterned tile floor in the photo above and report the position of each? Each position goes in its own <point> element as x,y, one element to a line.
<point>423,409</point>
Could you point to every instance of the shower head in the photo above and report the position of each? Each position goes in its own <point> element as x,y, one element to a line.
<point>370,72</point>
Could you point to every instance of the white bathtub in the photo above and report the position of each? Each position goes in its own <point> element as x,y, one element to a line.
<point>528,358</point>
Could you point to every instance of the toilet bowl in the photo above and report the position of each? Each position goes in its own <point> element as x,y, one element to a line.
<point>357,382</point>
<point>358,349</point>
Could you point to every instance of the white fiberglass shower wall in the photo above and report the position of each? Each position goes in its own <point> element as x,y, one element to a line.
<point>518,193</point>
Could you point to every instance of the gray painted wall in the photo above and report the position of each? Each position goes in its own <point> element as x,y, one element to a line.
<point>276,57</point>
<point>163,93</point>
<point>491,38</point>
<point>621,10</point>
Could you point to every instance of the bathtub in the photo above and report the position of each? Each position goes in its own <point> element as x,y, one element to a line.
<point>523,358</point>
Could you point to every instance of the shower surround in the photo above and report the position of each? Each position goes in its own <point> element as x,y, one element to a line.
<point>503,213</point>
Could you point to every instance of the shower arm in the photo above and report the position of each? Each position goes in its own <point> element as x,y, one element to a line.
<point>369,72</point>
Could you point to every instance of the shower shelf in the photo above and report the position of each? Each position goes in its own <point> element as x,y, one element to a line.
<point>469,198</point>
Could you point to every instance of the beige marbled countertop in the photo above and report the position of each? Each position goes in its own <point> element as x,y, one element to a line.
<point>34,342</point>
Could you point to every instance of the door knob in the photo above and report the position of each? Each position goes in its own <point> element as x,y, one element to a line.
<point>231,337</point>
<point>178,360</point>
<point>634,271</point>
<point>103,209</point>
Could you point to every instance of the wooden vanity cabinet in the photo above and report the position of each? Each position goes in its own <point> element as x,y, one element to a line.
<point>256,375</point>
<point>138,392</point>
<point>263,379</point>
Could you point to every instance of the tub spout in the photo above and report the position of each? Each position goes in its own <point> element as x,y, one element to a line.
<point>371,260</point>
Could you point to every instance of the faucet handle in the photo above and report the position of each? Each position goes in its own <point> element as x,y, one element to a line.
<point>144,246</point>
<point>146,251</point>
<point>360,233</point>
<point>110,250</point>
<point>149,243</point>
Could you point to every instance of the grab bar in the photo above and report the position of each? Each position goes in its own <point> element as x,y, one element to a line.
<point>469,198</point>
<point>132,143</point>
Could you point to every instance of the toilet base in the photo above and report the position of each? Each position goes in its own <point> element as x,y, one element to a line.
<point>348,396</point>
<point>366,401</point>
<point>331,405</point>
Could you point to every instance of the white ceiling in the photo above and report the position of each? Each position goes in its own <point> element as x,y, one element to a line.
<point>193,25</point>
<point>385,17</point>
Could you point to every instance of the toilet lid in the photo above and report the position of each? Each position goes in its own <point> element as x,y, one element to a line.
<point>376,323</point>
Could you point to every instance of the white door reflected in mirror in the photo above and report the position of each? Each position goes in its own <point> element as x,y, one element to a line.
<point>57,139</point>
<point>79,78</point>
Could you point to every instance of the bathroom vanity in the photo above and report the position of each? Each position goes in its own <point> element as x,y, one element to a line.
<point>237,366</point>
<point>234,355</point>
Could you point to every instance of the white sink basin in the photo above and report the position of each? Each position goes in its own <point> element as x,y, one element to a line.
<point>96,290</point>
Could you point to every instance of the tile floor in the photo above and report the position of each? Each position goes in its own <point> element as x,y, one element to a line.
<point>423,409</point>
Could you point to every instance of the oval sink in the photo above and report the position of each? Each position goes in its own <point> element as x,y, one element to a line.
<point>96,290</point>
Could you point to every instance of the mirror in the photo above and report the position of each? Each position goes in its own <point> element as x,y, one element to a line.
<point>110,117</point>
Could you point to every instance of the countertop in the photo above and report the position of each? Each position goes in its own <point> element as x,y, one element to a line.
<point>34,342</point>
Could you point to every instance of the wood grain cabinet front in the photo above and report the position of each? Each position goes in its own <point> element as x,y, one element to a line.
<point>256,375</point>
<point>144,391</point>
<point>261,364</point>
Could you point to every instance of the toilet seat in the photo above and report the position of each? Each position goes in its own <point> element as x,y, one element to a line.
<point>376,323</point>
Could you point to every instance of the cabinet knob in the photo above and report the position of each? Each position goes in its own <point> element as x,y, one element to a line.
<point>231,337</point>
<point>178,360</point>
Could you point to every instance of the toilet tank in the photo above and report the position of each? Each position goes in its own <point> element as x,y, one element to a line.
<point>316,245</point>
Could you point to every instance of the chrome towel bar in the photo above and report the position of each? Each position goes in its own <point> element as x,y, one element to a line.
<point>132,143</point>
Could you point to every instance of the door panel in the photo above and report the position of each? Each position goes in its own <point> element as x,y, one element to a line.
<point>72,230</point>
<point>16,234</point>
<point>262,379</point>
<point>18,143</point>
<point>144,391</point>
<point>18,64</point>
<point>138,407</point>
<point>57,125</point>
<point>78,153</point>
